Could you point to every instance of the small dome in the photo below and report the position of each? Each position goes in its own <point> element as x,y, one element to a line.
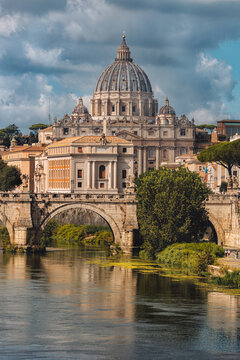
<point>123,74</point>
<point>80,108</point>
<point>166,109</point>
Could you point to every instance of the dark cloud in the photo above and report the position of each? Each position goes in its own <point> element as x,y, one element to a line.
<point>36,7</point>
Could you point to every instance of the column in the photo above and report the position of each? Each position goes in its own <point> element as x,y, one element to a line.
<point>89,175</point>
<point>157,157</point>
<point>130,108</point>
<point>139,161</point>
<point>110,175</point>
<point>94,174</point>
<point>144,159</point>
<point>114,174</point>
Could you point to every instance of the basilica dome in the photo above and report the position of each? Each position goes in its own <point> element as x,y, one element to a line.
<point>123,91</point>
<point>123,74</point>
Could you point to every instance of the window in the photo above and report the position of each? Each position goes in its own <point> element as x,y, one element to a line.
<point>79,149</point>
<point>151,153</point>
<point>101,185</point>
<point>124,150</point>
<point>182,132</point>
<point>134,109</point>
<point>113,108</point>
<point>80,173</point>
<point>124,185</point>
<point>135,132</point>
<point>135,153</point>
<point>150,162</point>
<point>102,172</point>
<point>123,108</point>
<point>79,184</point>
<point>234,173</point>
<point>124,174</point>
<point>113,132</point>
<point>65,131</point>
<point>182,151</point>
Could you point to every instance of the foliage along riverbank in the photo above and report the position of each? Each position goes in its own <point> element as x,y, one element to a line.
<point>70,235</point>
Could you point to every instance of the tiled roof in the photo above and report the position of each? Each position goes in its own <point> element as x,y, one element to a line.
<point>89,140</point>
<point>26,149</point>
<point>47,129</point>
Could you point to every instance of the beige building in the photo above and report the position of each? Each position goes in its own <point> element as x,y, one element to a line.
<point>123,105</point>
<point>45,136</point>
<point>86,164</point>
<point>23,157</point>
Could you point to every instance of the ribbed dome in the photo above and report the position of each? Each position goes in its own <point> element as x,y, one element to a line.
<point>123,74</point>
<point>166,109</point>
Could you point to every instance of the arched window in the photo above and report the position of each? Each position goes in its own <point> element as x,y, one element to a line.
<point>102,172</point>
<point>166,121</point>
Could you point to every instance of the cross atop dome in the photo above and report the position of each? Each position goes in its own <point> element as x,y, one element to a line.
<point>123,50</point>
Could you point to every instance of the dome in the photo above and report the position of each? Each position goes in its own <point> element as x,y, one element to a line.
<point>166,109</point>
<point>80,108</point>
<point>123,74</point>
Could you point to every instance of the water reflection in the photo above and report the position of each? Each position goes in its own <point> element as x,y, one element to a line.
<point>62,306</point>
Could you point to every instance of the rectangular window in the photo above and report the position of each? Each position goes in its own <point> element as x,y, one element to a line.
<point>113,108</point>
<point>135,132</point>
<point>113,133</point>
<point>79,184</point>
<point>124,185</point>
<point>101,185</point>
<point>123,108</point>
<point>80,173</point>
<point>124,174</point>
<point>124,150</point>
<point>65,131</point>
<point>182,132</point>
<point>79,149</point>
<point>134,109</point>
<point>151,153</point>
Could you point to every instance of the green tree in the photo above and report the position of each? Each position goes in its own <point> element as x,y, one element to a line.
<point>223,187</point>
<point>206,127</point>
<point>10,177</point>
<point>8,133</point>
<point>226,154</point>
<point>170,208</point>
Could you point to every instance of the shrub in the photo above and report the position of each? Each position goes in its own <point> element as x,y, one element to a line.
<point>193,256</point>
<point>4,237</point>
<point>230,279</point>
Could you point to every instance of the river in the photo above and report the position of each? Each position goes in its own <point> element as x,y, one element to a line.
<point>65,306</point>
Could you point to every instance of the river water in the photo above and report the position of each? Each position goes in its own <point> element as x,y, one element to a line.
<point>64,306</point>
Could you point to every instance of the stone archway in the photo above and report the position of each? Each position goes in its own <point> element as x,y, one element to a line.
<point>109,220</point>
<point>218,228</point>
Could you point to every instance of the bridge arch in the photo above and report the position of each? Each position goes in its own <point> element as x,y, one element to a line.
<point>108,218</point>
<point>218,228</point>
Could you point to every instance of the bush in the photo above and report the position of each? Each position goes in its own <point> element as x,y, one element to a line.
<point>4,237</point>
<point>193,256</point>
<point>49,232</point>
<point>69,235</point>
<point>230,279</point>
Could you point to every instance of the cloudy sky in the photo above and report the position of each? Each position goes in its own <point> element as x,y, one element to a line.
<point>57,49</point>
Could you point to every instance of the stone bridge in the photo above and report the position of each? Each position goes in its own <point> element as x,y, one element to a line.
<point>25,215</point>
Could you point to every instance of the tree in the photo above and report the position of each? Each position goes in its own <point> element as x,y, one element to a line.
<point>10,177</point>
<point>8,133</point>
<point>206,127</point>
<point>226,154</point>
<point>170,208</point>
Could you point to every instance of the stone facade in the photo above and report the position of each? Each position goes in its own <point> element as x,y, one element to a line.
<point>86,165</point>
<point>123,104</point>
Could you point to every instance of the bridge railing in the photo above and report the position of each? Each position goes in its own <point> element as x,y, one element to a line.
<point>27,196</point>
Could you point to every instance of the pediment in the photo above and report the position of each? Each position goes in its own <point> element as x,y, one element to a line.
<point>124,134</point>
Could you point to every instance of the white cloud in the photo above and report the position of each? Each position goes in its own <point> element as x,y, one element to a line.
<point>41,56</point>
<point>9,24</point>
